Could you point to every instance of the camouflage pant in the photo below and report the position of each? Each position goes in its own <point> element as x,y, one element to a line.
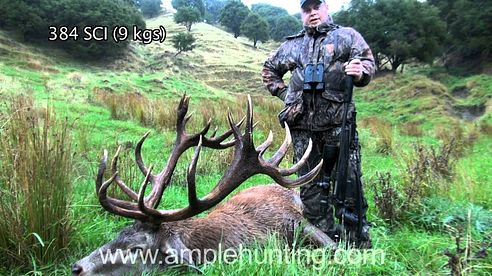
<point>316,195</point>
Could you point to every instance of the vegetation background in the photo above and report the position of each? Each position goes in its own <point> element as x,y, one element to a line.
<point>425,126</point>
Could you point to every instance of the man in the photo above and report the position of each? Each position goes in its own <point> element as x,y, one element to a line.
<point>315,110</point>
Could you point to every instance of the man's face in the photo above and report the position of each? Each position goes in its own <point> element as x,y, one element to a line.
<point>314,13</point>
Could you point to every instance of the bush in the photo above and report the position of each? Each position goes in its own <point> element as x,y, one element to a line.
<point>32,19</point>
<point>35,186</point>
<point>428,171</point>
<point>387,199</point>
<point>454,135</point>
<point>183,42</point>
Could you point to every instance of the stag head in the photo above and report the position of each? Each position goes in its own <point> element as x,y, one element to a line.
<point>159,232</point>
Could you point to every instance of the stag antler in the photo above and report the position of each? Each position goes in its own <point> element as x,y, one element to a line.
<point>248,161</point>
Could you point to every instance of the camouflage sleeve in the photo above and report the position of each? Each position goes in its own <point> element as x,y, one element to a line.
<point>364,53</point>
<point>275,68</point>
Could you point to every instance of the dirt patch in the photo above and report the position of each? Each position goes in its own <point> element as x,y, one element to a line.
<point>469,112</point>
<point>461,91</point>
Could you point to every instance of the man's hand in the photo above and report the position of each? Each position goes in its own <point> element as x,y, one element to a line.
<point>354,68</point>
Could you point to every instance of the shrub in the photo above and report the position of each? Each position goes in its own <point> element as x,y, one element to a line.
<point>426,170</point>
<point>387,199</point>
<point>454,135</point>
<point>183,42</point>
<point>35,185</point>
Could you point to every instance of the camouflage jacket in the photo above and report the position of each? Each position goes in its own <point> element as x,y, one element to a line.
<point>328,43</point>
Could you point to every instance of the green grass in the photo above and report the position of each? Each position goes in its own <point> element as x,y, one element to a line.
<point>219,69</point>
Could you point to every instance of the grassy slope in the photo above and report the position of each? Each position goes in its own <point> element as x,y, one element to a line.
<point>222,65</point>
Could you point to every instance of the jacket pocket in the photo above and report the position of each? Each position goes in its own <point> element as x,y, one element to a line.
<point>333,95</point>
<point>291,114</point>
<point>330,109</point>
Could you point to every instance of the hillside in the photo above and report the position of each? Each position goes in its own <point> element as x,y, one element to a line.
<point>429,130</point>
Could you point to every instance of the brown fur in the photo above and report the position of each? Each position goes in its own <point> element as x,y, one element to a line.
<point>250,214</point>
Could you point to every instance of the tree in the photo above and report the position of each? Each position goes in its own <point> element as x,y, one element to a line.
<point>255,28</point>
<point>187,16</point>
<point>285,26</point>
<point>280,23</point>
<point>472,29</point>
<point>150,8</point>
<point>232,15</point>
<point>212,10</point>
<point>269,13</point>
<point>397,31</point>
<point>198,4</point>
<point>183,42</point>
<point>470,19</point>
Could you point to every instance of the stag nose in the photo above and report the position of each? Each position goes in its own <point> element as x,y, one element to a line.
<point>76,269</point>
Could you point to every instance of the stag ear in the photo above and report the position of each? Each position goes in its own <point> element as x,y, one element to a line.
<point>177,250</point>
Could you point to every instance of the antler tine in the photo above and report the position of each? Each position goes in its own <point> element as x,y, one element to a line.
<point>117,178</point>
<point>138,154</point>
<point>218,142</point>
<point>190,176</point>
<point>214,133</point>
<point>279,155</point>
<point>100,171</point>
<point>141,193</point>
<point>117,207</point>
<point>207,127</point>
<point>263,147</point>
<point>297,166</point>
<point>294,183</point>
<point>270,166</point>
<point>187,118</point>
<point>248,132</point>
<point>234,128</point>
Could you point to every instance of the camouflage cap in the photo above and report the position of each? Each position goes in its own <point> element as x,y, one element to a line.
<point>305,1</point>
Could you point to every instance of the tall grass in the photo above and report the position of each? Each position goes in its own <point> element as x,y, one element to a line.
<point>35,185</point>
<point>382,131</point>
<point>411,129</point>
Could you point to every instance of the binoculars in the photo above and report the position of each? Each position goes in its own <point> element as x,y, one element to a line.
<point>313,78</point>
